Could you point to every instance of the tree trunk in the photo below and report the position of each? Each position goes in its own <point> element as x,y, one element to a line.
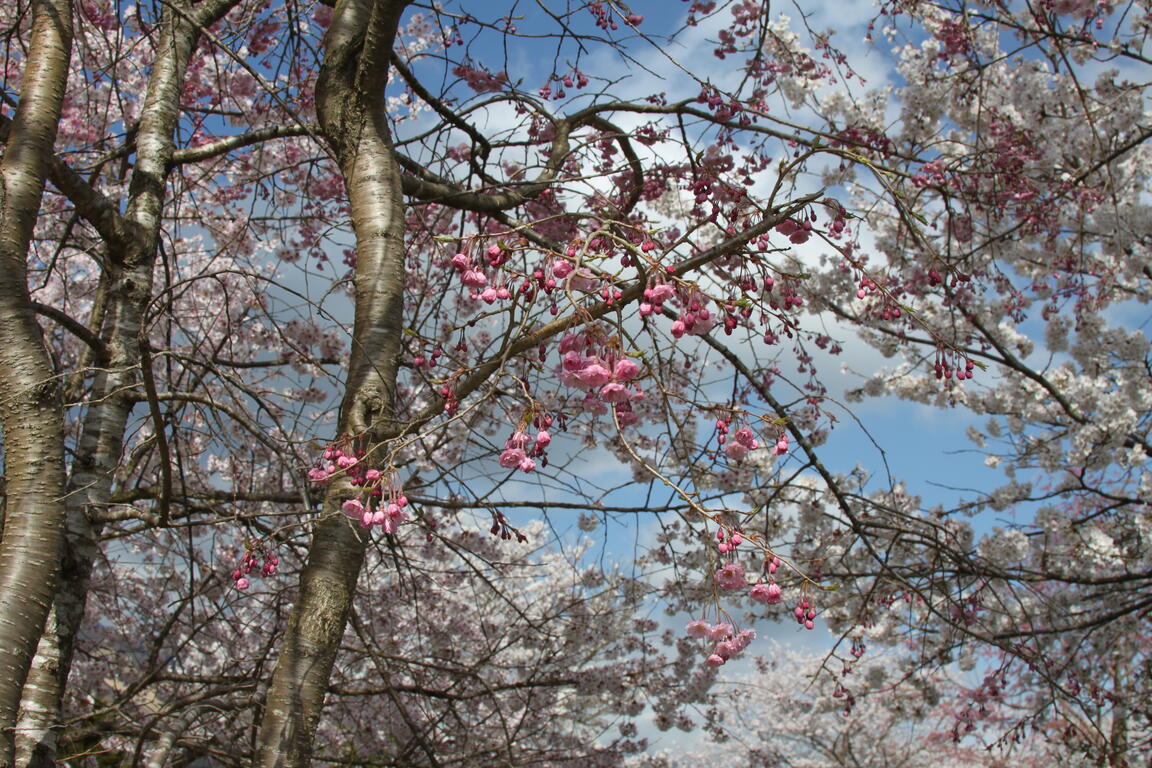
<point>350,101</point>
<point>31,412</point>
<point>131,260</point>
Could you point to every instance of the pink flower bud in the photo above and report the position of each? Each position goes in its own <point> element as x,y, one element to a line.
<point>473,278</point>
<point>769,594</point>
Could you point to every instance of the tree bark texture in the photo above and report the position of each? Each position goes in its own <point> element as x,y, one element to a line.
<point>31,412</point>
<point>132,252</point>
<point>351,106</point>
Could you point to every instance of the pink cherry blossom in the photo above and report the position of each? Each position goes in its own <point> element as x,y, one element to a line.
<point>719,632</point>
<point>511,458</point>
<point>614,392</point>
<point>594,375</point>
<point>473,278</point>
<point>698,628</point>
<point>769,593</point>
<point>736,451</point>
<point>731,576</point>
<point>625,370</point>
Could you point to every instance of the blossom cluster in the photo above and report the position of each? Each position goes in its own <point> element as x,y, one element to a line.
<point>372,510</point>
<point>517,454</point>
<point>740,443</point>
<point>336,460</point>
<point>728,641</point>
<point>696,319</point>
<point>376,512</point>
<point>731,576</point>
<point>607,376</point>
<point>249,563</point>
<point>472,275</point>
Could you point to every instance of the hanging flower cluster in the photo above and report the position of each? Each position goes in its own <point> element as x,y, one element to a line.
<point>382,502</point>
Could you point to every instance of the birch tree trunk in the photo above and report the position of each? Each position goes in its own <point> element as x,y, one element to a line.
<point>31,412</point>
<point>351,106</point>
<point>131,241</point>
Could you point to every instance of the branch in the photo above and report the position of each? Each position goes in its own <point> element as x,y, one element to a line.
<point>92,205</point>
<point>230,143</point>
<point>429,187</point>
<point>158,429</point>
<point>78,329</point>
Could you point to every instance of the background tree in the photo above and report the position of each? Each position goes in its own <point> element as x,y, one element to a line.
<point>798,711</point>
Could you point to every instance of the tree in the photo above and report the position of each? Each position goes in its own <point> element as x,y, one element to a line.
<point>31,412</point>
<point>531,266</point>
<point>796,711</point>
